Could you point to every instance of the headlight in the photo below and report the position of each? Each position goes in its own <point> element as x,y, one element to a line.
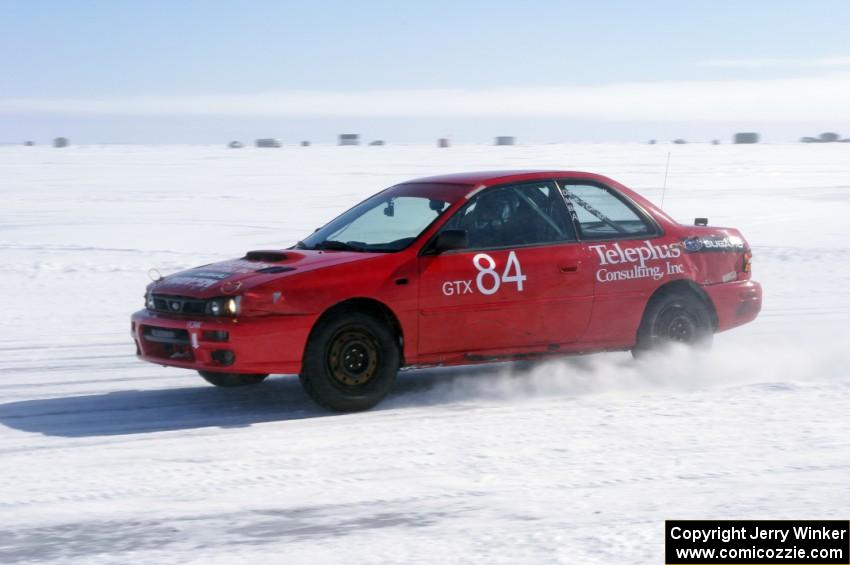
<point>150,304</point>
<point>224,306</point>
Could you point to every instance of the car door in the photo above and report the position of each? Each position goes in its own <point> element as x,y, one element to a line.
<point>521,284</point>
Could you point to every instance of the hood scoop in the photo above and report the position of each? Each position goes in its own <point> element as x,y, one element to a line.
<point>275,269</point>
<point>266,256</point>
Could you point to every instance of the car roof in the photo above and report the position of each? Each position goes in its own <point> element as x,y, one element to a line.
<point>489,178</point>
<point>459,185</point>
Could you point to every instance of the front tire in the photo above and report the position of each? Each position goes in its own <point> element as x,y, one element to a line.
<point>672,317</point>
<point>350,362</point>
<point>229,380</point>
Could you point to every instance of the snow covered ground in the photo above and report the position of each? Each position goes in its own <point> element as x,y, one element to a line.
<point>104,459</point>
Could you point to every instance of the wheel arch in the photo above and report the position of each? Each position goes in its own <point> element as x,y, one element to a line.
<point>685,286</point>
<point>366,305</point>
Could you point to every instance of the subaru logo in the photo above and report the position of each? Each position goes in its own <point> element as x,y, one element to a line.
<point>175,305</point>
<point>693,244</point>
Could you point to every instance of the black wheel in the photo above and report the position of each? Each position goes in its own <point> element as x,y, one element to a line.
<point>674,317</point>
<point>231,379</point>
<point>350,362</point>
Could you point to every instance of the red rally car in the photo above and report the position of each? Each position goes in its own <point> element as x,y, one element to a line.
<point>453,270</point>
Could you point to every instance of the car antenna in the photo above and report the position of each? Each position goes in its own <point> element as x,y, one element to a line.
<point>664,187</point>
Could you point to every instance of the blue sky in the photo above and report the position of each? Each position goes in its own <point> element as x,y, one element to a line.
<point>132,71</point>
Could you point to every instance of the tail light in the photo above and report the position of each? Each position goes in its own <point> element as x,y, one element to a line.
<point>747,263</point>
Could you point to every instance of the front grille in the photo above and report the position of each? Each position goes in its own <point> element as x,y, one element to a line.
<point>179,305</point>
<point>166,343</point>
<point>165,335</point>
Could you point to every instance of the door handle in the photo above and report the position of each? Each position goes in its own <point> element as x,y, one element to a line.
<point>569,269</point>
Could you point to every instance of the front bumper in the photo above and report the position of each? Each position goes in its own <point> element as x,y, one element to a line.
<point>273,344</point>
<point>735,303</point>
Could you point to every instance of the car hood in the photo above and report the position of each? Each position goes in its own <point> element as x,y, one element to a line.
<point>255,268</point>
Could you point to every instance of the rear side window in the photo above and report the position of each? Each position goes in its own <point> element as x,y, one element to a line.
<point>602,214</point>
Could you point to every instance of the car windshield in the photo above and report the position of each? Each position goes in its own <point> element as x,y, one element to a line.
<point>387,222</point>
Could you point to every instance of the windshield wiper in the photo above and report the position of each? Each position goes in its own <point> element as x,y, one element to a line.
<point>333,245</point>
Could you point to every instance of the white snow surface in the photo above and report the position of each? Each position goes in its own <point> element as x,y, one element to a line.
<point>105,459</point>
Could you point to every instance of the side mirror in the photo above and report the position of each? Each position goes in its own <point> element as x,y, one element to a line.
<point>448,240</point>
<point>437,205</point>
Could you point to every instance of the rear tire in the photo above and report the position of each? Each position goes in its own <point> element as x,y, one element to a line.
<point>350,362</point>
<point>229,380</point>
<point>672,317</point>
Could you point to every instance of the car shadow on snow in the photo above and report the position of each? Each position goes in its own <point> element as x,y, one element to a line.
<point>277,399</point>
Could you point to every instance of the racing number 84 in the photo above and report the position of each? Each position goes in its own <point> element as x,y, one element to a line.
<point>488,280</point>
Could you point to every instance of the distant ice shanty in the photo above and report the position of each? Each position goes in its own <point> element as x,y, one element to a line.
<point>745,137</point>
<point>349,139</point>
<point>443,142</point>
<point>60,142</point>
<point>825,137</point>
<point>680,141</point>
<point>235,145</point>
<point>29,143</point>
<point>267,142</point>
<point>377,143</point>
<point>505,140</point>
<point>305,143</point>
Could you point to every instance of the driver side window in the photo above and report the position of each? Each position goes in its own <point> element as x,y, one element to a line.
<point>513,216</point>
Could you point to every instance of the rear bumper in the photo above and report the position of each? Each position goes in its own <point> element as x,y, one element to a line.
<point>736,303</point>
<point>273,344</point>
